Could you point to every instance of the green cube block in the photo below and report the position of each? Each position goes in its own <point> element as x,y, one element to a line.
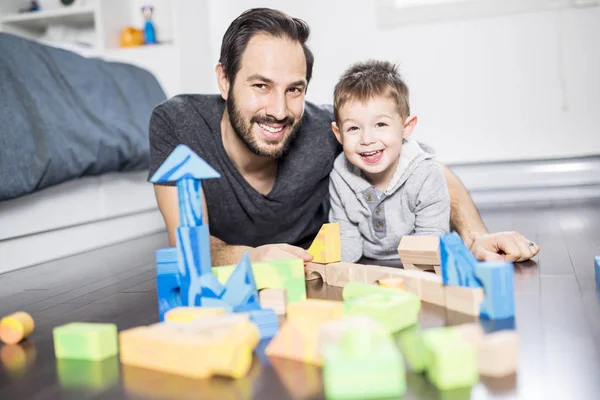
<point>392,312</point>
<point>353,290</point>
<point>91,375</point>
<point>411,343</point>
<point>452,361</point>
<point>363,365</point>
<point>85,341</point>
<point>280,274</point>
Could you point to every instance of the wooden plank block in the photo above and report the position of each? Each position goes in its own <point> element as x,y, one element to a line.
<point>412,281</point>
<point>498,354</point>
<point>464,299</point>
<point>314,271</point>
<point>373,273</point>
<point>275,299</point>
<point>432,289</point>
<point>425,268</point>
<point>339,274</point>
<point>419,250</point>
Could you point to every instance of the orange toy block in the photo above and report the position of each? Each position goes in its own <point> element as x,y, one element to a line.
<point>314,271</point>
<point>420,250</point>
<point>465,300</point>
<point>275,299</point>
<point>326,247</point>
<point>497,356</point>
<point>188,314</point>
<point>172,348</point>
<point>315,311</point>
<point>16,327</point>
<point>395,282</point>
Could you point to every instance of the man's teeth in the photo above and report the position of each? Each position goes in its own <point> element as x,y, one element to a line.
<point>270,128</point>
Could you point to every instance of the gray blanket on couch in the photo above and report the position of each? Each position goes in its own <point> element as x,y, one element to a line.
<point>63,116</point>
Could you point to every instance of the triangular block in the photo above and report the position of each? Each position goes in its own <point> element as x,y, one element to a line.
<point>326,248</point>
<point>240,289</point>
<point>183,163</point>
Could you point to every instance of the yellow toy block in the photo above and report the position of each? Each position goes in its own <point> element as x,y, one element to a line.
<point>315,311</point>
<point>326,247</point>
<point>16,327</point>
<point>188,314</point>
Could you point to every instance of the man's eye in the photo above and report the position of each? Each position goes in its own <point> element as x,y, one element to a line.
<point>260,85</point>
<point>294,90</point>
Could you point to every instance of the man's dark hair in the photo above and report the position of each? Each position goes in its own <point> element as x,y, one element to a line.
<point>261,20</point>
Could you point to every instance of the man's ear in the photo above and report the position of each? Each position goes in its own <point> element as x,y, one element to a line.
<point>336,132</point>
<point>222,81</point>
<point>409,126</point>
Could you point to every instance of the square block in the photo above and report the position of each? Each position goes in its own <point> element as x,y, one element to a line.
<point>88,375</point>
<point>497,278</point>
<point>341,273</point>
<point>465,300</point>
<point>85,341</point>
<point>432,289</point>
<point>498,354</point>
<point>421,250</point>
<point>275,299</point>
<point>411,343</point>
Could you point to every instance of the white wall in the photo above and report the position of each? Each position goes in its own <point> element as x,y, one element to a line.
<point>514,87</point>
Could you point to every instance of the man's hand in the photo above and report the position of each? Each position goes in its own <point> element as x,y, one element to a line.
<point>271,252</point>
<point>506,246</point>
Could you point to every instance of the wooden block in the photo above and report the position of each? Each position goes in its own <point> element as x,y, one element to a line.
<point>339,274</point>
<point>373,273</point>
<point>315,311</point>
<point>302,381</point>
<point>188,314</point>
<point>420,250</point>
<point>314,271</point>
<point>498,354</point>
<point>472,333</point>
<point>464,299</point>
<point>326,247</point>
<point>392,282</point>
<point>432,289</point>
<point>412,280</point>
<point>275,299</point>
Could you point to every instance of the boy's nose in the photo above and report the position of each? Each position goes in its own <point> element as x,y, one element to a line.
<point>366,137</point>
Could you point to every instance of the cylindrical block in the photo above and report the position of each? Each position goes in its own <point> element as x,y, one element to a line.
<point>16,327</point>
<point>395,283</point>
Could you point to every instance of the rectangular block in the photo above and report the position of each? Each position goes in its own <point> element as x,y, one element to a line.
<point>394,312</point>
<point>374,273</point>
<point>464,299</point>
<point>498,354</point>
<point>193,254</point>
<point>420,250</point>
<point>85,341</point>
<point>432,289</point>
<point>167,280</point>
<point>189,314</point>
<point>597,270</point>
<point>411,343</point>
<point>275,299</point>
<point>314,271</point>
<point>266,321</point>
<point>315,311</point>
<point>497,278</point>
<point>332,331</point>
<point>339,274</point>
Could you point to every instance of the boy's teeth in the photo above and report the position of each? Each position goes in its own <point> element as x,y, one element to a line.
<point>270,129</point>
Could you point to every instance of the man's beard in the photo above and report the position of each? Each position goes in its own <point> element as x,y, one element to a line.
<point>244,131</point>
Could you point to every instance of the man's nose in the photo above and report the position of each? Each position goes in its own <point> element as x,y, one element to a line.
<point>277,106</point>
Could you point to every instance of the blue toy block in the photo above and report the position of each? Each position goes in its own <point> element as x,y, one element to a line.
<point>190,202</point>
<point>167,280</point>
<point>597,271</point>
<point>267,322</point>
<point>193,249</point>
<point>183,163</point>
<point>240,288</point>
<point>458,263</point>
<point>498,284</point>
<point>214,302</point>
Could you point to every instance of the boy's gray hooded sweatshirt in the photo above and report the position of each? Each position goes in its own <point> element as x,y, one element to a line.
<point>372,222</point>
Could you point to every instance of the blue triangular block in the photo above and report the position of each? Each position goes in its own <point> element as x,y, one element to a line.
<point>183,163</point>
<point>240,289</point>
<point>458,263</point>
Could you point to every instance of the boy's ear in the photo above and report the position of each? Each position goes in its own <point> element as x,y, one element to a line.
<point>409,126</point>
<point>222,81</point>
<point>336,132</point>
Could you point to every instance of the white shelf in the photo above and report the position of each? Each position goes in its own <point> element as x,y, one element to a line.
<point>39,20</point>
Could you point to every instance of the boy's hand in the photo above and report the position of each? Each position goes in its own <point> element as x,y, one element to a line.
<point>504,246</point>
<point>280,251</point>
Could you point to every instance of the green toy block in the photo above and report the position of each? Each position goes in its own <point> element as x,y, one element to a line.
<point>280,274</point>
<point>391,311</point>
<point>452,360</point>
<point>85,341</point>
<point>411,343</point>
<point>83,374</point>
<point>363,365</point>
<point>353,290</point>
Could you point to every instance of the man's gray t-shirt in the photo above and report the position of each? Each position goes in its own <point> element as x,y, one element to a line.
<point>298,204</point>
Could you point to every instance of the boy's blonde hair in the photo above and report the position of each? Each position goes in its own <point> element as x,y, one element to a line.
<point>364,80</point>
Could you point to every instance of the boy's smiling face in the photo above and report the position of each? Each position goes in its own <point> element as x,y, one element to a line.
<point>371,134</point>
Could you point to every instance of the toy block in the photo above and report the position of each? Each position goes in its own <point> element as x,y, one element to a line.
<point>193,251</point>
<point>425,268</point>
<point>167,280</point>
<point>412,280</point>
<point>498,283</point>
<point>315,311</point>
<point>432,289</point>
<point>88,375</point>
<point>183,163</point>
<point>16,327</point>
<point>354,290</point>
<point>314,271</point>
<point>189,314</point>
<point>498,354</point>
<point>395,283</point>
<point>280,274</point>
<point>465,300</point>
<point>419,250</point>
<point>339,274</point>
<point>452,361</point>
<point>85,341</point>
<point>221,325</point>
<point>275,299</point>
<point>412,345</point>
<point>472,333</point>
<point>392,311</point>
<point>362,366</point>
<point>332,331</point>
<point>597,270</point>
<point>178,349</point>
<point>302,381</point>
<point>240,289</point>
<point>326,247</point>
<point>458,263</point>
<point>374,273</point>
<point>266,321</point>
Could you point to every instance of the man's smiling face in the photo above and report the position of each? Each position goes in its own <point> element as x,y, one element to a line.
<point>265,103</point>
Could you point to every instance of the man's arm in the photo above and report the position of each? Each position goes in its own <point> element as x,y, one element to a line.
<point>221,253</point>
<point>466,220</point>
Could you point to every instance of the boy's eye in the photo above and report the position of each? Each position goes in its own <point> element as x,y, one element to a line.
<point>352,128</point>
<point>380,124</point>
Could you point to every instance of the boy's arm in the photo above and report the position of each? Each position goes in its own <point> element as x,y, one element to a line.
<point>432,202</point>
<point>350,237</point>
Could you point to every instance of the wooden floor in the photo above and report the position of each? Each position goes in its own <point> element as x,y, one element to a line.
<point>557,307</point>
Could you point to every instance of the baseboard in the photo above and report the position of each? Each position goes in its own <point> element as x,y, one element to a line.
<point>26,251</point>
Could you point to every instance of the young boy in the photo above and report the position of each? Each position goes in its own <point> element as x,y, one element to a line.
<point>384,185</point>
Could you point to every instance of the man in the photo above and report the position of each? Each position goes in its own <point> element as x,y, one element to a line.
<point>275,151</point>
